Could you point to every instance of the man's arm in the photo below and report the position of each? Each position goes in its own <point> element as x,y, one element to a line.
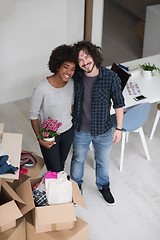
<point>119,117</point>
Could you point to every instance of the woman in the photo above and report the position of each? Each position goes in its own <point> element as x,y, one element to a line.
<point>53,97</point>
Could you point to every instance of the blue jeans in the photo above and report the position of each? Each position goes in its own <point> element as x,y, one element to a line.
<point>102,149</point>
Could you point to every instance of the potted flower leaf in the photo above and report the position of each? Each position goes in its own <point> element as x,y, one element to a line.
<point>49,129</point>
<point>149,69</point>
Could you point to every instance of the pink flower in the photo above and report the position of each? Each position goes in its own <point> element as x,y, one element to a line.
<point>49,128</point>
<point>45,134</point>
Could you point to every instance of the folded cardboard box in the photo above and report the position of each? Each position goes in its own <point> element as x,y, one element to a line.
<point>9,211</point>
<point>79,232</point>
<point>16,233</point>
<point>11,144</point>
<point>52,217</point>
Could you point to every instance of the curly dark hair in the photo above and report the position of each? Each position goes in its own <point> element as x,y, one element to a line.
<point>93,50</point>
<point>61,54</point>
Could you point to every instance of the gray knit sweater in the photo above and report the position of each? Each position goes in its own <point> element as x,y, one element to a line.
<point>48,101</point>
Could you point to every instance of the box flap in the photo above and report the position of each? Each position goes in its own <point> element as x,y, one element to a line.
<point>15,233</point>
<point>11,145</point>
<point>11,192</point>
<point>9,180</point>
<point>77,197</point>
<point>1,133</point>
<point>25,193</point>
<point>55,214</point>
<point>9,212</point>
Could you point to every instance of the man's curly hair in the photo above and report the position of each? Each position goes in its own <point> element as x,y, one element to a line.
<point>94,51</point>
<point>61,54</point>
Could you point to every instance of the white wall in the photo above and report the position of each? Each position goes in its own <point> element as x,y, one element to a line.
<point>151,44</point>
<point>29,30</point>
<point>97,22</point>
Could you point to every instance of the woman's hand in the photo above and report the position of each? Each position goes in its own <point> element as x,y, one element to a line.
<point>47,144</point>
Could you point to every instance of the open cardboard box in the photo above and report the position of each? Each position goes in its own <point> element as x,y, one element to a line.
<point>32,171</point>
<point>9,211</point>
<point>52,217</point>
<point>35,171</point>
<point>11,144</point>
<point>80,231</point>
<point>16,233</point>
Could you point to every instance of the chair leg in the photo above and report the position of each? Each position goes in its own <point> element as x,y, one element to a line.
<point>140,130</point>
<point>127,136</point>
<point>155,124</point>
<point>122,150</point>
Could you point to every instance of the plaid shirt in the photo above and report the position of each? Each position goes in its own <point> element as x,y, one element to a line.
<point>106,87</point>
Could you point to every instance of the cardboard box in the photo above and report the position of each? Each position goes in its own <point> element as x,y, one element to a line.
<point>52,217</point>
<point>16,233</point>
<point>9,211</point>
<point>35,171</point>
<point>79,232</point>
<point>32,172</point>
<point>11,144</point>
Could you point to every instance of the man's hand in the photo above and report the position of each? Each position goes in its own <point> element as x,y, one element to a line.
<point>47,144</point>
<point>117,136</point>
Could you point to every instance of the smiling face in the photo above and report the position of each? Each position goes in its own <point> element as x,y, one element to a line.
<point>86,62</point>
<point>66,71</point>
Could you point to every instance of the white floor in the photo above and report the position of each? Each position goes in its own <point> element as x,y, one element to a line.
<point>136,214</point>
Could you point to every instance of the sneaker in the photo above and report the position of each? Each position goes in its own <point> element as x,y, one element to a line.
<point>107,195</point>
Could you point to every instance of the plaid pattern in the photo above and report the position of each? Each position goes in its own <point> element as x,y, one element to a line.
<point>39,197</point>
<point>106,87</point>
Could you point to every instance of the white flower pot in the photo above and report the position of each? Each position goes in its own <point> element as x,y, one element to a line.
<point>147,74</point>
<point>49,139</point>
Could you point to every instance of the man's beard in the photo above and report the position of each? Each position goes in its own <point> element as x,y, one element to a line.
<point>89,71</point>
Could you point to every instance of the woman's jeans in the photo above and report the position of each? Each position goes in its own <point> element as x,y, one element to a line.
<point>102,149</point>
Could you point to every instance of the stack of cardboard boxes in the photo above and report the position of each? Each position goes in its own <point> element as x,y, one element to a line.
<point>19,217</point>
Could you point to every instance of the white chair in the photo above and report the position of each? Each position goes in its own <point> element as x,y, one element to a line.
<point>155,121</point>
<point>133,121</point>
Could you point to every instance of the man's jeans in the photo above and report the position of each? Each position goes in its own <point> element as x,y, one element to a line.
<point>102,146</point>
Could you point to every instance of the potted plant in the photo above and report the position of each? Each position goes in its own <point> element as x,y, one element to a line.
<point>49,129</point>
<point>149,69</point>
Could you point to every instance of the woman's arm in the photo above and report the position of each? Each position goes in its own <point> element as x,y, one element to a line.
<point>36,129</point>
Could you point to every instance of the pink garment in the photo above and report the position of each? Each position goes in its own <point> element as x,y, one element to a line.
<point>50,174</point>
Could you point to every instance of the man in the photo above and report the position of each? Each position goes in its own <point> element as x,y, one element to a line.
<point>95,86</point>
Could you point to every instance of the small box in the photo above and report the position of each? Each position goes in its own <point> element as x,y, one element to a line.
<point>52,217</point>
<point>9,211</point>
<point>80,231</point>
<point>11,145</point>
